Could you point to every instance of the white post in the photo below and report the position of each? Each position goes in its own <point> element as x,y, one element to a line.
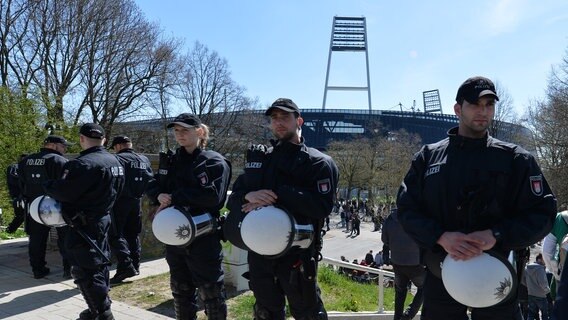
<point>381,292</point>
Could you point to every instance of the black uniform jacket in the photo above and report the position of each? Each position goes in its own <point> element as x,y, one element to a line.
<point>461,184</point>
<point>12,181</point>
<point>137,172</point>
<point>37,168</point>
<point>198,181</point>
<point>90,183</point>
<point>303,178</point>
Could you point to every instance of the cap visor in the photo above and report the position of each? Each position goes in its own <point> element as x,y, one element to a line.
<point>183,124</point>
<point>283,108</point>
<point>488,93</point>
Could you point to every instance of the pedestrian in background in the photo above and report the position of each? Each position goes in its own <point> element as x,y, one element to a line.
<point>535,279</point>
<point>402,252</point>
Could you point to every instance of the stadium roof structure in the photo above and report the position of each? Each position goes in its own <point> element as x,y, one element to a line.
<point>323,126</point>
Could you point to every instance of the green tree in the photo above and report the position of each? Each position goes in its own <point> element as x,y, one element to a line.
<point>19,133</point>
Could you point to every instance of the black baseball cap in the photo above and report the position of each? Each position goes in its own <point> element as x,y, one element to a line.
<point>187,120</point>
<point>284,104</point>
<point>56,139</point>
<point>92,130</point>
<point>474,88</point>
<point>120,139</point>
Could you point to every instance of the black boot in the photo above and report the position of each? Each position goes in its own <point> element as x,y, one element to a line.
<point>123,273</point>
<point>87,314</point>
<point>183,310</point>
<point>41,273</point>
<point>97,310</point>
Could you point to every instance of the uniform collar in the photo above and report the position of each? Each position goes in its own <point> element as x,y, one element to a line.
<point>457,140</point>
<point>126,150</point>
<point>49,150</point>
<point>92,149</point>
<point>287,145</point>
<point>182,152</point>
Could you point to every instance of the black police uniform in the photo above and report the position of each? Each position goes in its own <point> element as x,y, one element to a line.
<point>16,195</point>
<point>34,170</point>
<point>304,180</point>
<point>87,190</point>
<point>466,185</point>
<point>126,215</point>
<point>197,182</point>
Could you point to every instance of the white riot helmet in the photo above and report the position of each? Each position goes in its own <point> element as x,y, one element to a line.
<point>479,282</point>
<point>271,231</point>
<point>47,211</point>
<point>176,227</point>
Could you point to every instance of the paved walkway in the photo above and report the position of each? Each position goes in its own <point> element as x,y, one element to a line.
<point>23,297</point>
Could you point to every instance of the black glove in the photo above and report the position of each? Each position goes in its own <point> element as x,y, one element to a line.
<point>77,219</point>
<point>220,223</point>
<point>253,166</point>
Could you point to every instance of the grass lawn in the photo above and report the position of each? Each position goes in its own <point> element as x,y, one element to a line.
<point>338,293</point>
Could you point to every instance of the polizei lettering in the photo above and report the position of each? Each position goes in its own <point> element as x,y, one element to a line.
<point>117,171</point>
<point>432,170</point>
<point>253,165</point>
<point>35,162</point>
<point>138,165</point>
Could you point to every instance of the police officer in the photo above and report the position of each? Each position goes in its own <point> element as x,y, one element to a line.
<point>470,193</point>
<point>33,171</point>
<point>15,191</point>
<point>127,222</point>
<point>196,180</point>
<point>87,191</point>
<point>301,180</point>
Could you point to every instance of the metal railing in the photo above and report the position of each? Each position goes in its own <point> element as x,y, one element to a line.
<point>381,274</point>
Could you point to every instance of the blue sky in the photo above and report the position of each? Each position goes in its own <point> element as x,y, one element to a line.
<point>280,48</point>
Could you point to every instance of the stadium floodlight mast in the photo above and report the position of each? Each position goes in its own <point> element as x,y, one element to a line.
<point>432,102</point>
<point>348,34</point>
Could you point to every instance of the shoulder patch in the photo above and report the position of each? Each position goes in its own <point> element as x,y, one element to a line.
<point>536,185</point>
<point>324,186</point>
<point>203,178</point>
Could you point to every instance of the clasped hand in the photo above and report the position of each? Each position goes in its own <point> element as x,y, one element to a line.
<point>259,198</point>
<point>461,246</point>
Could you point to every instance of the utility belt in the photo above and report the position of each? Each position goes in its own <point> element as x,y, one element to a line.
<point>78,219</point>
<point>304,275</point>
